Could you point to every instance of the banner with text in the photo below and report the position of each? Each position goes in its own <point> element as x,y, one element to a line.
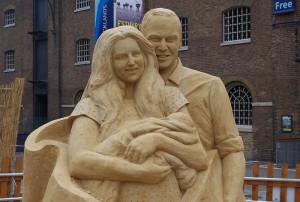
<point>283,6</point>
<point>104,17</point>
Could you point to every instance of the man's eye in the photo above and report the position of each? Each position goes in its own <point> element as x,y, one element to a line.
<point>171,38</point>
<point>153,38</point>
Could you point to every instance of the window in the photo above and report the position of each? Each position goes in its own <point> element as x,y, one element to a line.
<point>82,5</point>
<point>236,25</point>
<point>9,61</point>
<point>78,96</point>
<point>241,103</point>
<point>184,25</point>
<point>9,18</point>
<point>83,51</point>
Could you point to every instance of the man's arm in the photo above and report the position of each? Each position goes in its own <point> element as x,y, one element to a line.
<point>233,177</point>
<point>229,144</point>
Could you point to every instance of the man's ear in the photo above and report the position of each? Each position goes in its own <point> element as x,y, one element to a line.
<point>179,44</point>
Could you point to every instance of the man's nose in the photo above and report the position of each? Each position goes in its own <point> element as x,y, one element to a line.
<point>163,44</point>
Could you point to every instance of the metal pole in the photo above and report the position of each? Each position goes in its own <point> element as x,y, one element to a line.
<point>11,199</point>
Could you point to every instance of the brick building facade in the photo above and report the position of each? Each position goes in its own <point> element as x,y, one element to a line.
<point>264,65</point>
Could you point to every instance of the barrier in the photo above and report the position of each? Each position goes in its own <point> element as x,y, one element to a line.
<point>281,189</point>
<point>10,183</point>
<point>285,189</point>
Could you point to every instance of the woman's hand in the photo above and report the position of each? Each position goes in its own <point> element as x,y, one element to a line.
<point>151,173</point>
<point>139,149</point>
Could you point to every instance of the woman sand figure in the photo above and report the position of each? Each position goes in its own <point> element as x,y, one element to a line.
<point>131,138</point>
<point>126,87</point>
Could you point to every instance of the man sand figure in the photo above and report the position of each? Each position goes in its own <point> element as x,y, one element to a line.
<point>209,108</point>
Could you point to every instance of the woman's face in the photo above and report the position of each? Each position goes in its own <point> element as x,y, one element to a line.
<point>128,61</point>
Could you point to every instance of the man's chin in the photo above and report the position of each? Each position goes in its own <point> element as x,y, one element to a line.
<point>163,65</point>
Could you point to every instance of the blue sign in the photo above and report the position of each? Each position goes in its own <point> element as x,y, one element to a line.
<point>104,17</point>
<point>283,6</point>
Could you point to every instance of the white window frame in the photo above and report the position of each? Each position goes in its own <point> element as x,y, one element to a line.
<point>236,25</point>
<point>83,51</point>
<point>82,5</point>
<point>9,61</point>
<point>9,18</point>
<point>184,25</point>
<point>241,103</point>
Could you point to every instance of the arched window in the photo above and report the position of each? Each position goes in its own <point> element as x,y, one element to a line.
<point>83,51</point>
<point>241,103</point>
<point>236,24</point>
<point>78,96</point>
<point>9,19</point>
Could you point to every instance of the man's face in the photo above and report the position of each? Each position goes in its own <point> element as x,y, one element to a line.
<point>162,32</point>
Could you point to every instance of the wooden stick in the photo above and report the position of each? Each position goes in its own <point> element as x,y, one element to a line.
<point>255,187</point>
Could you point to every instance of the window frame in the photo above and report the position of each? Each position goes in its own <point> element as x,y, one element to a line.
<point>9,18</point>
<point>9,61</point>
<point>242,34</point>
<point>85,49</point>
<point>245,121</point>
<point>184,28</point>
<point>79,5</point>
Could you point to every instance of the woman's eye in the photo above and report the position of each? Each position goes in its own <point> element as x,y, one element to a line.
<point>136,53</point>
<point>121,57</point>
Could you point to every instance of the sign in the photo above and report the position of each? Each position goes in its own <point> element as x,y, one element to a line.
<point>286,123</point>
<point>129,12</point>
<point>283,6</point>
<point>114,13</point>
<point>104,17</point>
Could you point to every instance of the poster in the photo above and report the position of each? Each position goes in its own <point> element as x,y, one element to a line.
<point>114,13</point>
<point>129,12</point>
<point>286,122</point>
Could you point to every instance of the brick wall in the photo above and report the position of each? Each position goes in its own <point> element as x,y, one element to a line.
<point>16,38</point>
<point>266,65</point>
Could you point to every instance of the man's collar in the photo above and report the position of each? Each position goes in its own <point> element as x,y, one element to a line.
<point>176,75</point>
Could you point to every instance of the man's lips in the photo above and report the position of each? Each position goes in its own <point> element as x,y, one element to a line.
<point>162,57</point>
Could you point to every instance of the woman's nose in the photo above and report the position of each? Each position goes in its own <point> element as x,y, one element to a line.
<point>130,60</point>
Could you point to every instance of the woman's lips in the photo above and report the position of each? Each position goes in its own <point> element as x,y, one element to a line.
<point>131,70</point>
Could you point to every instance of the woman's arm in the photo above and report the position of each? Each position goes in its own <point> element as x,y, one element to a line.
<point>84,163</point>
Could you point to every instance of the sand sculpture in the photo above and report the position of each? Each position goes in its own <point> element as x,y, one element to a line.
<point>134,136</point>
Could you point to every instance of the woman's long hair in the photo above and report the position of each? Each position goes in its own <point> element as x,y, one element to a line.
<point>107,91</point>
